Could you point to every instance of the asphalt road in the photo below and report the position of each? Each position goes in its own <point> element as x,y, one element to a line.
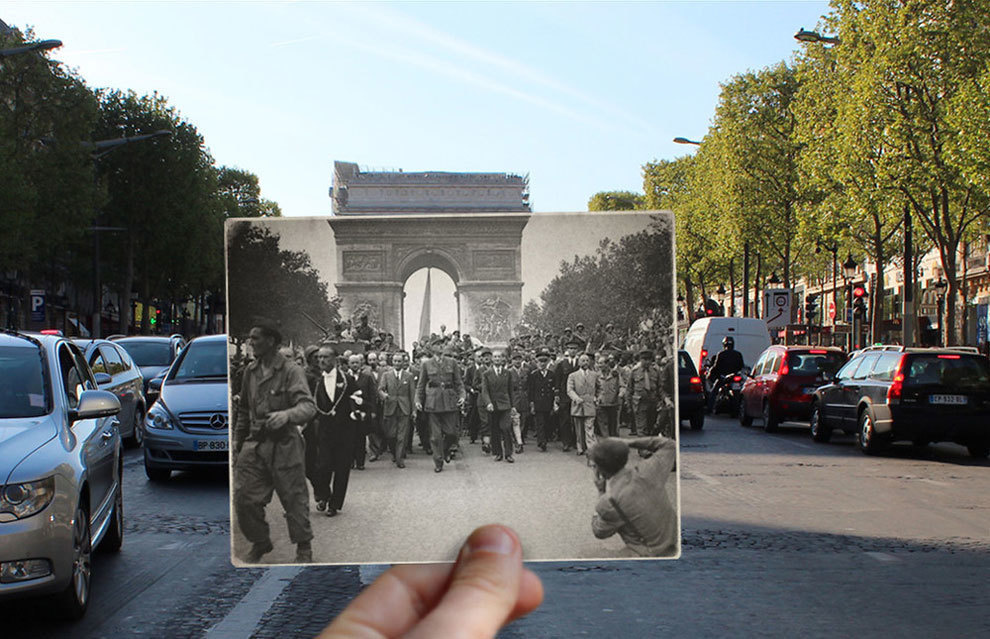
<point>782,537</point>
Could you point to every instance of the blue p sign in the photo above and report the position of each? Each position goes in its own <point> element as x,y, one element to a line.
<point>38,306</point>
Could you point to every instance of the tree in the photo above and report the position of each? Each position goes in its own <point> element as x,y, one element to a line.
<point>275,284</point>
<point>241,194</point>
<point>909,69</point>
<point>616,201</point>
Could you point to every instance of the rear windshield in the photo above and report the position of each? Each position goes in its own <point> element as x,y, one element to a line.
<point>954,371</point>
<point>201,360</point>
<point>808,363</point>
<point>149,353</point>
<point>685,365</point>
<point>23,392</point>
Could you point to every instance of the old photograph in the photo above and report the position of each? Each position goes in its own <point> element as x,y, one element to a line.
<point>399,377</point>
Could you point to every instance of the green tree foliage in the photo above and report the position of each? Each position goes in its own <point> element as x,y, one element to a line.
<point>47,193</point>
<point>240,194</point>
<point>616,201</point>
<point>274,284</point>
<point>623,282</point>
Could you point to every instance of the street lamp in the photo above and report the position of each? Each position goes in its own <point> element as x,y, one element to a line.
<point>813,36</point>
<point>29,47</point>
<point>940,287</point>
<point>774,279</point>
<point>848,273</point>
<point>849,267</point>
<point>680,140</point>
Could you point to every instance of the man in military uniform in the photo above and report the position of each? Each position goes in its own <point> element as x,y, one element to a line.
<point>269,453</point>
<point>440,393</point>
<point>644,391</point>
<point>542,395</point>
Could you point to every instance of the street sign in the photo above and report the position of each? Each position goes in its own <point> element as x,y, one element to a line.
<point>38,306</point>
<point>831,310</point>
<point>777,307</point>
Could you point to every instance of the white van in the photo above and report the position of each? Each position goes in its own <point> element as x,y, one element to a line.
<point>704,338</point>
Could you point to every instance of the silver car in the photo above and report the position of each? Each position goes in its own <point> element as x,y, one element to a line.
<point>60,470</point>
<point>186,429</point>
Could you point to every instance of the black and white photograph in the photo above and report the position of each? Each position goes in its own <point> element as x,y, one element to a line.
<point>434,356</point>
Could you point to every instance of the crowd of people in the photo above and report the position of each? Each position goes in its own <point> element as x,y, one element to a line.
<point>357,402</point>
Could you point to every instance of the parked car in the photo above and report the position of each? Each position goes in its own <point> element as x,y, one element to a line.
<point>704,339</point>
<point>921,395</point>
<point>153,354</point>
<point>690,392</point>
<point>783,381</point>
<point>186,429</point>
<point>126,382</point>
<point>61,468</point>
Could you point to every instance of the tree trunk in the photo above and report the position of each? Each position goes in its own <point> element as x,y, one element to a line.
<point>949,334</point>
<point>878,294</point>
<point>964,320</point>
<point>688,297</point>
<point>125,300</point>
<point>756,285</point>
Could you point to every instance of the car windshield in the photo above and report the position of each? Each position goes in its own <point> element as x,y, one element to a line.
<point>149,353</point>
<point>812,363</point>
<point>23,392</point>
<point>202,360</point>
<point>949,370</point>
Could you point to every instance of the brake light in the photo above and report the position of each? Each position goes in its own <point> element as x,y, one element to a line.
<point>948,357</point>
<point>818,352</point>
<point>51,331</point>
<point>696,385</point>
<point>737,378</point>
<point>784,370</point>
<point>897,386</point>
<point>704,353</point>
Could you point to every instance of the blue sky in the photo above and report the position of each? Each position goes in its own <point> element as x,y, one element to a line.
<point>577,95</point>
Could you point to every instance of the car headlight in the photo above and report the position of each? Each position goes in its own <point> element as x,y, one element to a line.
<point>158,417</point>
<point>29,498</point>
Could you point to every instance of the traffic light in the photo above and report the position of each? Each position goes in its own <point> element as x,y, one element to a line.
<point>859,301</point>
<point>155,317</point>
<point>810,306</point>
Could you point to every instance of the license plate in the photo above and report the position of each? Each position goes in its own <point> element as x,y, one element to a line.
<point>736,386</point>
<point>210,444</point>
<point>955,400</point>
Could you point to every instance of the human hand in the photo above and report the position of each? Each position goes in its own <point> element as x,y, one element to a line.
<point>485,589</point>
<point>491,408</point>
<point>599,481</point>
<point>419,406</point>
<point>276,420</point>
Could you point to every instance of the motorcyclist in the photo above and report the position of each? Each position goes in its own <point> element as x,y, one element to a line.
<point>728,361</point>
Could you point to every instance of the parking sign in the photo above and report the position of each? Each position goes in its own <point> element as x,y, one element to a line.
<point>777,307</point>
<point>38,306</point>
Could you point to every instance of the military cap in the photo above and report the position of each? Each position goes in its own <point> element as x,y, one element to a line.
<point>486,351</point>
<point>517,355</point>
<point>543,352</point>
<point>579,325</point>
<point>567,330</point>
<point>572,342</point>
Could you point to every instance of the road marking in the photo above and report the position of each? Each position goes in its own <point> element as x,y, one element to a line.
<point>932,481</point>
<point>243,619</point>
<point>370,572</point>
<point>784,439</point>
<point>882,556</point>
<point>711,481</point>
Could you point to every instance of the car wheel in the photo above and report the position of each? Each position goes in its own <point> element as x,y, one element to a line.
<point>156,474</point>
<point>698,419</point>
<point>770,421</point>
<point>869,441</point>
<point>114,538</point>
<point>744,419</point>
<point>137,436</point>
<point>73,600</point>
<point>979,450</point>
<point>819,431</point>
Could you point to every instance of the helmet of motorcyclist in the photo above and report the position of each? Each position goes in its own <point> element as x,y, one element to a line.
<point>728,342</point>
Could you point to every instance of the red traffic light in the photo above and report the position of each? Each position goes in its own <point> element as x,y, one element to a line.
<point>859,292</point>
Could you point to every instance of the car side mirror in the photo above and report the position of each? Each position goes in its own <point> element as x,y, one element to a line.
<point>94,404</point>
<point>156,384</point>
<point>102,378</point>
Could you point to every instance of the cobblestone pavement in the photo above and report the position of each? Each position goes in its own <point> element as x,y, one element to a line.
<point>782,537</point>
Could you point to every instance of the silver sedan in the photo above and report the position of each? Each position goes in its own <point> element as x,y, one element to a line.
<point>60,470</point>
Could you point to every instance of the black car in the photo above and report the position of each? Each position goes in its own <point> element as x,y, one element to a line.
<point>153,354</point>
<point>920,395</point>
<point>690,392</point>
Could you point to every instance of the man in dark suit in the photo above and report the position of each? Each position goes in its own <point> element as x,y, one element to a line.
<point>541,389</point>
<point>471,375</point>
<point>520,400</point>
<point>335,433</point>
<point>564,368</point>
<point>398,395</point>
<point>364,394</point>
<point>496,397</point>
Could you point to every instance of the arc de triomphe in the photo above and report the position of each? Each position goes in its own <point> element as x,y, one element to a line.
<point>389,224</point>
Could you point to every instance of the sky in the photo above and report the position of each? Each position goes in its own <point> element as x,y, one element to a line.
<point>577,95</point>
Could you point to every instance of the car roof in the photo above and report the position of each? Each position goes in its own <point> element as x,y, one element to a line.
<point>146,338</point>
<point>25,339</point>
<point>210,338</point>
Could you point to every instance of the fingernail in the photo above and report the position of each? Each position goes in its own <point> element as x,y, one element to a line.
<point>492,539</point>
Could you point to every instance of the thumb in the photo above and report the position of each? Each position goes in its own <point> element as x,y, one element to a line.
<point>483,591</point>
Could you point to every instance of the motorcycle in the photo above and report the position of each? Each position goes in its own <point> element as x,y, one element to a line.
<point>728,394</point>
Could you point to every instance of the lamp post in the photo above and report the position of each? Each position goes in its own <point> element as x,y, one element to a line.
<point>30,47</point>
<point>940,287</point>
<point>834,249</point>
<point>721,296</point>
<point>813,36</point>
<point>848,273</point>
<point>100,149</point>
